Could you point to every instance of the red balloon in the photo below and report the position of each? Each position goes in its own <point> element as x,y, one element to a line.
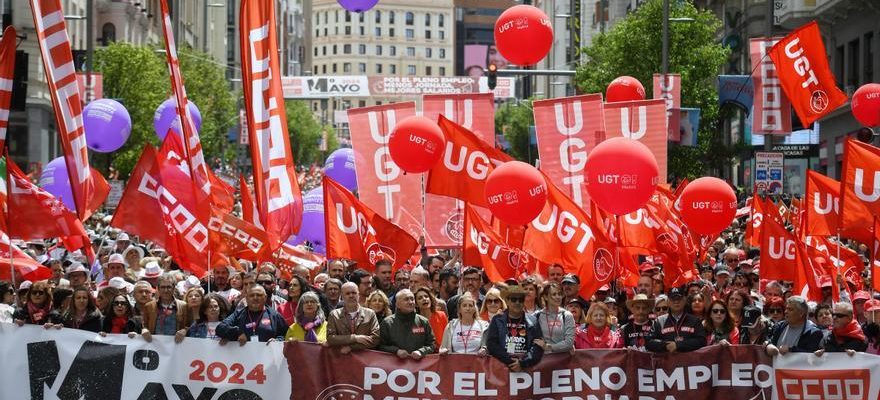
<point>624,88</point>
<point>866,105</point>
<point>416,144</point>
<point>621,175</point>
<point>523,34</point>
<point>516,192</point>
<point>708,205</point>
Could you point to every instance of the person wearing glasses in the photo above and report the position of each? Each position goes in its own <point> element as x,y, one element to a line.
<point>513,335</point>
<point>37,309</point>
<point>471,281</point>
<point>165,315</point>
<point>774,308</point>
<point>719,325</point>
<point>253,323</point>
<point>121,320</point>
<point>310,322</point>
<point>846,333</point>
<point>6,305</point>
<point>213,309</point>
<point>676,331</point>
<point>267,281</point>
<point>661,305</point>
<point>795,334</point>
<point>493,305</point>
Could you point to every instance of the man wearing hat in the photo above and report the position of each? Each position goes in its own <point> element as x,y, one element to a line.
<point>635,333</point>
<point>858,301</point>
<point>122,242</point>
<point>115,267</point>
<point>78,275</point>
<point>512,334</point>
<point>571,287</point>
<point>676,331</point>
<point>722,279</point>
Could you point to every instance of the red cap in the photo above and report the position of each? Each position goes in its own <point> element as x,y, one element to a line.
<point>861,295</point>
<point>872,305</point>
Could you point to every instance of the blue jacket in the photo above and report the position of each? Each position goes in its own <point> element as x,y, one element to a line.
<point>497,339</point>
<point>268,325</point>
<point>809,341</point>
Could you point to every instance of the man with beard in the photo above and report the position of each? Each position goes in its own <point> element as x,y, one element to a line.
<point>220,284</point>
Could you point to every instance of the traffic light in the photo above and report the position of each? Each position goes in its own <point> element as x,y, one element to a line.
<point>493,76</point>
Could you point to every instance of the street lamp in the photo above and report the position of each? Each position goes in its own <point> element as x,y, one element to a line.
<point>664,67</point>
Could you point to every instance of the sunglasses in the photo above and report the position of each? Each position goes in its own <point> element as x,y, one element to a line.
<point>718,311</point>
<point>120,303</point>
<point>515,299</point>
<point>661,308</point>
<point>774,310</point>
<point>838,315</point>
<point>491,301</point>
<point>266,282</point>
<point>38,293</point>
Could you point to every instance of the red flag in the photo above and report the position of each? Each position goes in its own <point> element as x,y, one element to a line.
<point>484,247</point>
<point>358,233</point>
<point>141,198</point>
<point>567,129</point>
<point>249,211</point>
<point>822,195</point>
<point>25,267</point>
<point>222,194</point>
<point>88,186</point>
<point>781,256</point>
<point>233,237</point>
<point>286,257</point>
<point>841,259</point>
<point>771,114</point>
<point>7,70</point>
<point>607,226</point>
<point>668,88</point>
<point>275,181</point>
<point>860,189</point>
<point>36,214</point>
<point>644,121</point>
<point>473,111</point>
<point>875,256</point>
<point>382,185</point>
<point>466,163</point>
<point>808,82</point>
<point>761,210</point>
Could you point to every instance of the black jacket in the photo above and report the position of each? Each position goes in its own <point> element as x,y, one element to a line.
<point>497,339</point>
<point>635,335</point>
<point>22,313</point>
<point>133,325</point>
<point>829,343</point>
<point>268,325</point>
<point>809,341</point>
<point>688,333</point>
<point>91,322</point>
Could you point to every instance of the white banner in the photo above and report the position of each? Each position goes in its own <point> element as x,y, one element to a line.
<point>74,364</point>
<point>324,87</point>
<point>803,376</point>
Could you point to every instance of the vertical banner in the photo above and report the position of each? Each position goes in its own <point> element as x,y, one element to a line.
<point>768,172</point>
<point>644,121</point>
<point>7,70</point>
<point>668,88</point>
<point>567,129</point>
<point>89,187</point>
<point>689,126</point>
<point>275,182</point>
<point>772,110</point>
<point>475,112</point>
<point>382,184</point>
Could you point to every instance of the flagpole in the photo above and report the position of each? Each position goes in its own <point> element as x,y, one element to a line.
<point>210,274</point>
<point>8,235</point>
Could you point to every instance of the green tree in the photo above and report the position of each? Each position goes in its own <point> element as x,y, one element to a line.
<point>513,120</point>
<point>306,134</point>
<point>138,77</point>
<point>633,47</point>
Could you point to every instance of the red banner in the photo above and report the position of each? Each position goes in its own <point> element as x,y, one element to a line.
<point>484,247</point>
<point>716,372</point>
<point>567,129</point>
<point>644,121</point>
<point>275,182</point>
<point>356,232</point>
<point>89,187</point>
<point>25,268</point>
<point>668,88</point>
<point>382,185</point>
<point>475,112</point>
<point>771,110</point>
<point>822,195</point>
<point>782,257</point>
<point>7,70</point>
<point>860,197</point>
<point>140,198</point>
<point>233,237</point>
<point>287,257</point>
<point>808,82</point>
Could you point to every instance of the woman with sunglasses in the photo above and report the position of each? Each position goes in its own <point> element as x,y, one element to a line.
<point>213,309</point>
<point>493,305</point>
<point>774,308</point>
<point>82,313</point>
<point>720,328</point>
<point>661,305</point>
<point>122,320</point>
<point>557,324</point>
<point>37,309</point>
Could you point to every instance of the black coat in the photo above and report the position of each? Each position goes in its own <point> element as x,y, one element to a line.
<point>91,323</point>
<point>688,335</point>
<point>22,313</point>
<point>809,341</point>
<point>829,343</point>
<point>133,325</point>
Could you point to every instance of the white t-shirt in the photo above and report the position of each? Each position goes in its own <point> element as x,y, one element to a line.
<point>467,338</point>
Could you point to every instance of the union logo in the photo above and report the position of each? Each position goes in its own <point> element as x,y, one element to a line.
<point>818,101</point>
<point>603,264</point>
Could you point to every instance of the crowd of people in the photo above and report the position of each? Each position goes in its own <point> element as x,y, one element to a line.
<point>439,306</point>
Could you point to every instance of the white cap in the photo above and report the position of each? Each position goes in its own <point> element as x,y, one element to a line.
<point>120,283</point>
<point>122,236</point>
<point>117,258</point>
<point>25,285</point>
<point>76,267</point>
<point>152,270</point>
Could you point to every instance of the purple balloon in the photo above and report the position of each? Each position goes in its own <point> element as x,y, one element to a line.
<point>107,125</point>
<point>312,228</point>
<point>340,167</point>
<point>357,5</point>
<point>54,180</point>
<point>166,118</point>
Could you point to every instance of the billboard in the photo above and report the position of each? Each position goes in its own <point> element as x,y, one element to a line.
<point>322,87</point>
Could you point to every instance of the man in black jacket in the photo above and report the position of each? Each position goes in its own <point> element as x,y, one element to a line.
<point>512,334</point>
<point>796,334</point>
<point>846,333</point>
<point>676,331</point>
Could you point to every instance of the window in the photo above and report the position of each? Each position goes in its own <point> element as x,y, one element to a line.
<point>410,51</point>
<point>853,70</point>
<point>362,49</point>
<point>377,31</point>
<point>325,32</point>
<point>361,17</point>
<point>410,18</point>
<point>316,52</point>
<point>442,35</point>
<point>868,46</point>
<point>838,65</point>
<point>362,30</point>
<point>410,69</point>
<point>336,30</point>
<point>362,103</point>
<point>346,49</point>
<point>442,69</point>
<point>378,68</point>
<point>392,50</point>
<point>391,32</point>
<point>324,69</point>
<point>324,50</point>
<point>440,20</point>
<point>427,34</point>
<point>335,50</point>
<point>378,50</point>
<point>442,53</point>
<point>378,16</point>
<point>337,15</point>
<point>362,68</point>
<point>315,70</point>
<point>347,30</point>
<point>326,20</point>
<point>428,70</point>
<point>428,52</point>
<point>393,69</point>
<point>347,16</point>
<point>427,19</point>
<point>410,34</point>
<point>390,17</point>
<point>334,68</point>
<point>346,68</point>
<point>317,33</point>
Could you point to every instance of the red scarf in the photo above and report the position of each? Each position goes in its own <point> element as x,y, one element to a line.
<point>39,314</point>
<point>852,330</point>
<point>118,324</point>
<point>597,339</point>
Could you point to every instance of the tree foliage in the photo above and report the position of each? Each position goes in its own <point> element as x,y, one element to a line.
<point>306,134</point>
<point>633,47</point>
<point>513,120</point>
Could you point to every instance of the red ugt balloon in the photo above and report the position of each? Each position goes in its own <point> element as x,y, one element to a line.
<point>708,205</point>
<point>523,34</point>
<point>621,175</point>
<point>416,144</point>
<point>516,192</point>
<point>624,88</point>
<point>866,105</point>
